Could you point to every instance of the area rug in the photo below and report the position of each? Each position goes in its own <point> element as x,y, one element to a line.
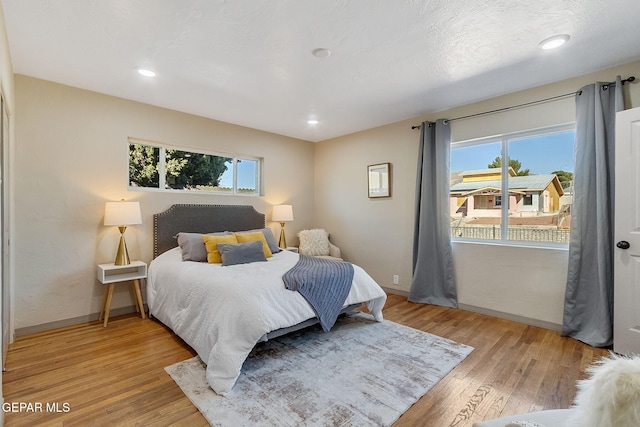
<point>362,373</point>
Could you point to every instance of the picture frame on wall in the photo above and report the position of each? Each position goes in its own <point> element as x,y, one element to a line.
<point>379,179</point>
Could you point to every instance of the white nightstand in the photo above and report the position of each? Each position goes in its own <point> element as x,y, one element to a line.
<point>110,274</point>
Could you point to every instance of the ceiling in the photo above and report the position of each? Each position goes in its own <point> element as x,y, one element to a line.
<point>250,62</point>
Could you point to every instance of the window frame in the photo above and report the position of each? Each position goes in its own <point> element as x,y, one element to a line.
<point>504,139</point>
<point>162,170</point>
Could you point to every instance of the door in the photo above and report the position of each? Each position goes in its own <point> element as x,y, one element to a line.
<point>626,330</point>
<point>4,234</point>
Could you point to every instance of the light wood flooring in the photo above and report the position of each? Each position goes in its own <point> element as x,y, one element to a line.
<point>114,376</point>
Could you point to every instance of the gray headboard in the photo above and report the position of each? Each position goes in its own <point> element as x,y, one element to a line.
<point>201,219</point>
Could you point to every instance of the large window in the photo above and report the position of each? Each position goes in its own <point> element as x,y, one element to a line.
<point>516,187</point>
<point>163,168</point>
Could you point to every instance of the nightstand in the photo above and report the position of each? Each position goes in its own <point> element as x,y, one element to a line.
<point>292,249</point>
<point>110,274</point>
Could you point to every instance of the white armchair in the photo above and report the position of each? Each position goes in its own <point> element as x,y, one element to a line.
<point>315,242</point>
<point>334,251</point>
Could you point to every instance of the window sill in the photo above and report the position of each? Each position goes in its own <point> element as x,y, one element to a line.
<point>513,244</point>
<point>202,192</point>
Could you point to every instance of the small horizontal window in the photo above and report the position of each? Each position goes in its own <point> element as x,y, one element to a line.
<point>164,168</point>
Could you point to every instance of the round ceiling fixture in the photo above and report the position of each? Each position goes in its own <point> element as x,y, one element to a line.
<point>312,121</point>
<point>321,52</point>
<point>146,72</point>
<point>553,42</point>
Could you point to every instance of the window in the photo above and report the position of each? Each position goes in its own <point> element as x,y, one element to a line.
<point>164,168</point>
<point>526,198</point>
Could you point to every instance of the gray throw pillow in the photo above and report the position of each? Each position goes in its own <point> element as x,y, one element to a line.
<point>241,253</point>
<point>192,245</point>
<point>268,235</point>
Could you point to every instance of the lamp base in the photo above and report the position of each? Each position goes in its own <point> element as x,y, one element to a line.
<point>122,256</point>
<point>283,240</point>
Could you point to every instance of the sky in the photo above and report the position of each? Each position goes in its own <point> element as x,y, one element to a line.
<point>246,175</point>
<point>540,154</point>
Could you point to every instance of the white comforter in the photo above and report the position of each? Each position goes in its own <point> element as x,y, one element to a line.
<point>222,312</point>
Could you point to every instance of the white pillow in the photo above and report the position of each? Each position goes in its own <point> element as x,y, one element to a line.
<point>314,242</point>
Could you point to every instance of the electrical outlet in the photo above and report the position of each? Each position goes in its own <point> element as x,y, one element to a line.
<point>396,279</point>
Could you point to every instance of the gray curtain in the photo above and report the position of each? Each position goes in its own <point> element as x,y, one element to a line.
<point>588,305</point>
<point>433,281</point>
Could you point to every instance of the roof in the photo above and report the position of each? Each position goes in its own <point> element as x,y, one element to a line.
<point>528,182</point>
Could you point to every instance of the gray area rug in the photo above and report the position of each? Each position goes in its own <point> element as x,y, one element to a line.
<point>362,373</point>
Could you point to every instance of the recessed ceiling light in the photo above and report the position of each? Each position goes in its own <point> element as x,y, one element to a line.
<point>312,121</point>
<point>321,52</point>
<point>553,42</point>
<point>146,72</point>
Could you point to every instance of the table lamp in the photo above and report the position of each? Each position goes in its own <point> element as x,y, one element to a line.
<point>122,214</point>
<point>282,213</point>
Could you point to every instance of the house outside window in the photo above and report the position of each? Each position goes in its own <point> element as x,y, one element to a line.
<point>527,176</point>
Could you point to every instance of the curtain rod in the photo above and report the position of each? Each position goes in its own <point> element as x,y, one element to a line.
<point>553,98</point>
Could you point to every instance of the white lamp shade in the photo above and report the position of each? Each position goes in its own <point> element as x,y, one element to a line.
<point>282,213</point>
<point>122,213</point>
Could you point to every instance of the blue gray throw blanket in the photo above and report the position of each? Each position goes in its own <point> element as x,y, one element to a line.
<point>324,283</point>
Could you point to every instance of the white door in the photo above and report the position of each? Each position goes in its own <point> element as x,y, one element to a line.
<point>4,234</point>
<point>626,330</point>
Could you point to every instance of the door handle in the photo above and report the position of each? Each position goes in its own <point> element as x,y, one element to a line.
<point>623,244</point>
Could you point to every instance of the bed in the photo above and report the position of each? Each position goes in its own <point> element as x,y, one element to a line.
<point>222,312</point>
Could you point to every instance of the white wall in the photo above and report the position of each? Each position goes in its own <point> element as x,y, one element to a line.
<point>72,157</point>
<point>378,233</point>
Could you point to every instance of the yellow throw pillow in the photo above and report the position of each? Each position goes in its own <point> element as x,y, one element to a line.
<point>252,237</point>
<point>211,243</point>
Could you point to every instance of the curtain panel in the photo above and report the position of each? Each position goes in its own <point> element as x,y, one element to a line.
<point>588,306</point>
<point>433,280</point>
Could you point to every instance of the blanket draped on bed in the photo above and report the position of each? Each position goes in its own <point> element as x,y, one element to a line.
<point>324,283</point>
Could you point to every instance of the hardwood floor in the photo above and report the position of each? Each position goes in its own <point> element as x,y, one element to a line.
<point>114,376</point>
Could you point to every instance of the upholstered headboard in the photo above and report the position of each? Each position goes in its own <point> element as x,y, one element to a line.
<point>201,219</point>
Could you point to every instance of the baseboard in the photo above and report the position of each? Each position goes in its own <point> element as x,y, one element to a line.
<point>493,313</point>
<point>395,291</point>
<point>72,321</point>
<point>513,317</point>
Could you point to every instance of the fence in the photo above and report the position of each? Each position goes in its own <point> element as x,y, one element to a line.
<point>494,232</point>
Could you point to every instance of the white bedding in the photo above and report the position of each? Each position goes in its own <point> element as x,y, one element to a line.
<point>222,312</point>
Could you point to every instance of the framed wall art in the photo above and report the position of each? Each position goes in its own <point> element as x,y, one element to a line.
<point>379,178</point>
